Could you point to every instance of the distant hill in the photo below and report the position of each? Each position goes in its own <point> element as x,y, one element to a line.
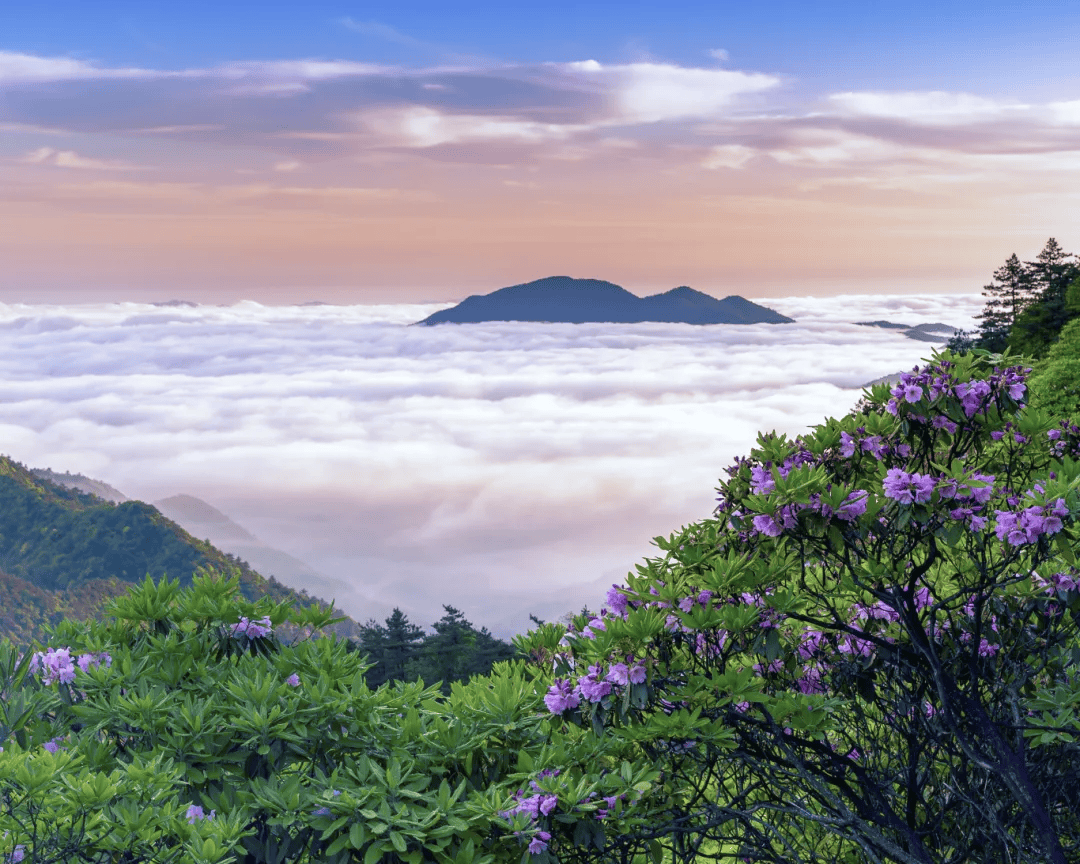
<point>936,333</point>
<point>578,301</point>
<point>64,553</point>
<point>203,520</point>
<point>82,483</point>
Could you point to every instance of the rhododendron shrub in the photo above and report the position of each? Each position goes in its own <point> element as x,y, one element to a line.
<point>869,654</point>
<point>183,730</point>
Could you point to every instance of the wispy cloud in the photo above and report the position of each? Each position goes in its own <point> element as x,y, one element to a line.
<point>71,159</point>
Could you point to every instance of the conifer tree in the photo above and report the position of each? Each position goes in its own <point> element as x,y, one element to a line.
<point>1012,291</point>
<point>390,648</point>
<point>1038,326</point>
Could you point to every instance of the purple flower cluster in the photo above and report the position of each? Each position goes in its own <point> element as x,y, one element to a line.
<point>786,516</point>
<point>564,695</point>
<point>252,629</point>
<point>907,488</point>
<point>1027,526</point>
<point>195,814</point>
<point>54,746</point>
<point>540,804</point>
<point>56,664</point>
<point>938,381</point>
<point>871,444</point>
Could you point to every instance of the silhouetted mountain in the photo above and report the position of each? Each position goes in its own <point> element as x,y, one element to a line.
<point>936,333</point>
<point>577,301</point>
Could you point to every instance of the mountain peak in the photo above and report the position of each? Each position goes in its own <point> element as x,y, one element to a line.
<point>564,299</point>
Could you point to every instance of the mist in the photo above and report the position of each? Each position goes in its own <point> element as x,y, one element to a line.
<point>506,468</point>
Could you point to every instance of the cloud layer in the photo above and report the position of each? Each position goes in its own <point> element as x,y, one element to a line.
<point>505,468</point>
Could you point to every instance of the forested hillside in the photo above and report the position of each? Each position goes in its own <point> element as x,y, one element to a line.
<point>64,553</point>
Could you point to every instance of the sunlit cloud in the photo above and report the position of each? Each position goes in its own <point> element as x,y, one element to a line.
<point>654,92</point>
<point>426,127</point>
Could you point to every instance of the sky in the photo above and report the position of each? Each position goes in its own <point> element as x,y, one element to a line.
<point>420,152</point>
<point>504,468</point>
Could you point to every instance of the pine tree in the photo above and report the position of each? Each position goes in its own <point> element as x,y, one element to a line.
<point>1038,326</point>
<point>390,648</point>
<point>1011,292</point>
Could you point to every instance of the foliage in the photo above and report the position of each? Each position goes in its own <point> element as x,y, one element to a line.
<point>183,730</point>
<point>1055,386</point>
<point>870,654</point>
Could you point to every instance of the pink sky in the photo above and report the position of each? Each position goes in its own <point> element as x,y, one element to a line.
<point>288,179</point>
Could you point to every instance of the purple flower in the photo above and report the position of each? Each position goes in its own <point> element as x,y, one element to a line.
<point>561,696</point>
<point>54,665</point>
<point>911,392</point>
<point>589,630</point>
<point>539,842</point>
<point>18,854</point>
<point>87,660</point>
<point>847,445</point>
<point>940,421</point>
<point>293,680</point>
<point>1031,523</point>
<point>253,629</point>
<point>616,600</point>
<point>853,507</point>
<point>637,674</point>
<point>908,488</point>
<point>592,686</point>
<point>195,814</point>
<point>618,674</point>
<point>761,481</point>
<point>971,395</point>
<point>1054,434</point>
<point>810,682</point>
<point>768,525</point>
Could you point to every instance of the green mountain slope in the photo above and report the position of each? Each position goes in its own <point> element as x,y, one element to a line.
<point>64,553</point>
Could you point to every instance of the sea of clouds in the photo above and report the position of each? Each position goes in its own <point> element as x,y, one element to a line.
<point>504,468</point>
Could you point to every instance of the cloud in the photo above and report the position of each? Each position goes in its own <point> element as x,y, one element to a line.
<point>728,156</point>
<point>506,468</point>
<point>16,68</point>
<point>71,159</point>
<point>655,92</point>
<point>427,127</point>
<point>933,107</point>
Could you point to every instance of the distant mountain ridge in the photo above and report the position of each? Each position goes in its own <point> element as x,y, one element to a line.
<point>563,299</point>
<point>82,483</point>
<point>937,333</point>
<point>63,553</point>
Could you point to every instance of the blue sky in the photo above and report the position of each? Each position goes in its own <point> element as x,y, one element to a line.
<point>1009,47</point>
<point>423,151</point>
